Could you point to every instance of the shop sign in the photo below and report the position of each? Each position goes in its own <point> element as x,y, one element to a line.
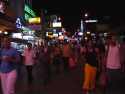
<point>29,13</point>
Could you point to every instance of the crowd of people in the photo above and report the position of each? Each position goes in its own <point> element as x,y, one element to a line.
<point>101,62</point>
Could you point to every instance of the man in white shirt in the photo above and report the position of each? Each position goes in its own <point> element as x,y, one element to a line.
<point>29,56</point>
<point>113,63</point>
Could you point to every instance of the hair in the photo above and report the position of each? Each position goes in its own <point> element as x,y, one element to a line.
<point>29,44</point>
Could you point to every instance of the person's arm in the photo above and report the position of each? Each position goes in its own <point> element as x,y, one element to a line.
<point>104,61</point>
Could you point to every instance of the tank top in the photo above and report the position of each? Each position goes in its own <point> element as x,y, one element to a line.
<point>113,58</point>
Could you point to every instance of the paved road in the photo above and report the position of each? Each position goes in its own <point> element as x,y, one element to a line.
<point>63,83</point>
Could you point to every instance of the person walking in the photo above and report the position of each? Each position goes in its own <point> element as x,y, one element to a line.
<point>44,64</point>
<point>9,59</point>
<point>29,56</point>
<point>113,63</point>
<point>66,53</point>
<point>57,58</point>
<point>90,69</point>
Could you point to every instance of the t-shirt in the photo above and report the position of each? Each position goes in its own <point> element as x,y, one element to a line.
<point>113,58</point>
<point>29,57</point>
<point>5,66</point>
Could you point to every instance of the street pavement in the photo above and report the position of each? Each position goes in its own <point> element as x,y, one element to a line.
<point>63,83</point>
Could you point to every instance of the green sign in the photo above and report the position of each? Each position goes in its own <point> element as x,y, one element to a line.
<point>29,13</point>
<point>27,16</point>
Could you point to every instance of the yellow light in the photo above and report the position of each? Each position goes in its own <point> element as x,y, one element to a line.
<point>88,32</point>
<point>50,36</point>
<point>35,20</point>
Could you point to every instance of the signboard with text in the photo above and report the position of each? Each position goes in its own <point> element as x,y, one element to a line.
<point>29,13</point>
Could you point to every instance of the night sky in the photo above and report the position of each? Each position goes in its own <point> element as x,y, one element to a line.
<point>72,11</point>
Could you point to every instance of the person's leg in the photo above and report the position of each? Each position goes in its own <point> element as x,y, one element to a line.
<point>3,82</point>
<point>56,63</point>
<point>29,72</point>
<point>11,81</point>
<point>93,78</point>
<point>66,64</point>
<point>87,78</point>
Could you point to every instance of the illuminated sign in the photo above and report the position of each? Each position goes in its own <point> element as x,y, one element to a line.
<point>17,35</point>
<point>91,21</point>
<point>57,24</point>
<point>27,16</point>
<point>18,23</point>
<point>55,35</point>
<point>35,27</point>
<point>29,10</point>
<point>34,20</point>
<point>29,13</point>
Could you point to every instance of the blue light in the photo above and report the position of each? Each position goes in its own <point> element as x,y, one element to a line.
<point>18,23</point>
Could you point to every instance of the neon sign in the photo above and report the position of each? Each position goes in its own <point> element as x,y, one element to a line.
<point>34,20</point>
<point>18,23</point>
<point>29,13</point>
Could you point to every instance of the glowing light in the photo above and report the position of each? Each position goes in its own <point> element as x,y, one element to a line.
<point>86,14</point>
<point>80,33</point>
<point>88,32</point>
<point>5,33</point>
<point>34,20</point>
<point>18,23</point>
<point>17,35</point>
<point>91,21</point>
<point>57,24</point>
<point>29,13</point>
<point>29,10</point>
<point>60,33</point>
<point>55,35</point>
<point>59,18</point>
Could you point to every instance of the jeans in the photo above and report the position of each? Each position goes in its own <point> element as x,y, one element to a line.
<point>8,81</point>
